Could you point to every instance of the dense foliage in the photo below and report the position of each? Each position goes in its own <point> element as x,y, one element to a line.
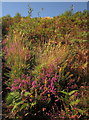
<point>46,67</point>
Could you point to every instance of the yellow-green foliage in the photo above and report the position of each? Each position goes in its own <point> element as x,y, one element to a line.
<point>51,53</point>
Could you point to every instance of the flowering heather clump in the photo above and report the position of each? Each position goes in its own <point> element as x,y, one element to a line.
<point>22,83</point>
<point>16,50</point>
<point>48,78</point>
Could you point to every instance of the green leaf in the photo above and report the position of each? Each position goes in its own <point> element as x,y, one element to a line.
<point>26,94</point>
<point>17,105</point>
<point>26,114</point>
<point>72,92</point>
<point>81,111</point>
<point>85,40</point>
<point>24,106</point>
<point>75,102</point>
<point>64,92</point>
<point>33,104</point>
<point>12,96</point>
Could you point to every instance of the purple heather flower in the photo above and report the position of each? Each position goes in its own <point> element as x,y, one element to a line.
<point>48,75</point>
<point>20,85</point>
<point>24,81</point>
<point>54,79</point>
<point>56,100</point>
<point>14,88</point>
<point>33,84</point>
